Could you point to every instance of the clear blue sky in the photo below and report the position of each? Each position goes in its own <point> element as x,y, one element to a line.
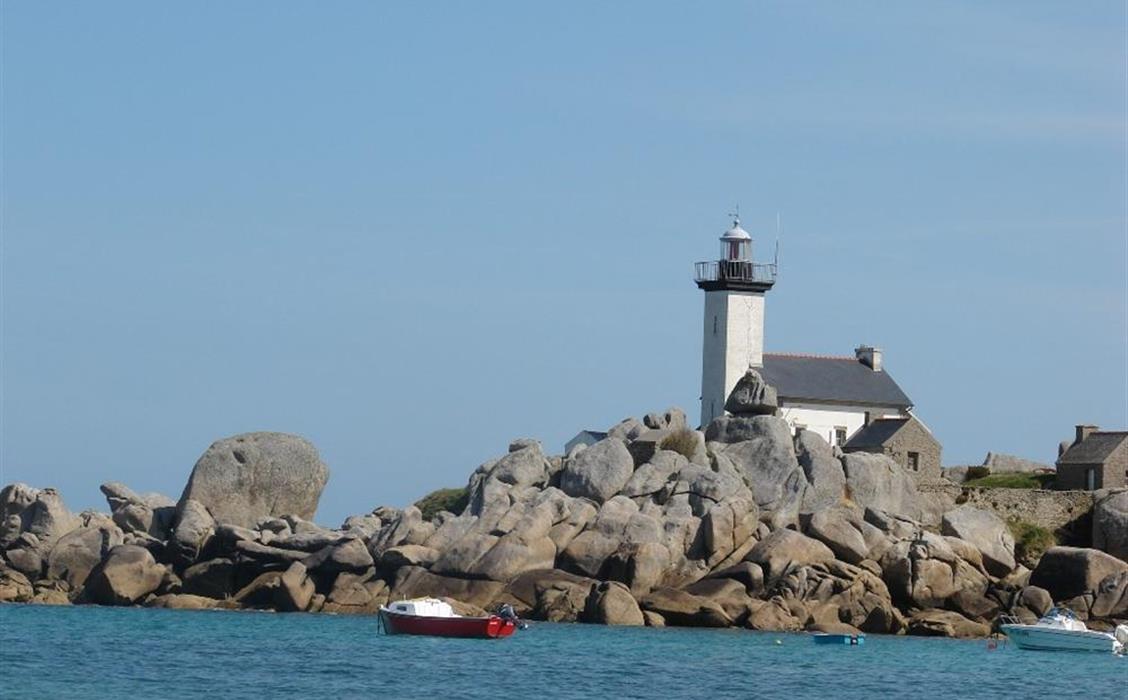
<point>414,231</point>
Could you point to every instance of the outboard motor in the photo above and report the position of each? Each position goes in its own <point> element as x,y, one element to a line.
<point>506,612</point>
<point>1121,635</point>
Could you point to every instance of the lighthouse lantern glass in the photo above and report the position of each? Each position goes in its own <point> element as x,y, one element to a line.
<point>736,251</point>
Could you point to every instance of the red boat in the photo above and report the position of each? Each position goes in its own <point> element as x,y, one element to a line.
<point>431,616</point>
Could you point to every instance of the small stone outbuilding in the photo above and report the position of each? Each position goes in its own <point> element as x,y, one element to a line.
<point>584,437</point>
<point>906,440</point>
<point>1097,459</point>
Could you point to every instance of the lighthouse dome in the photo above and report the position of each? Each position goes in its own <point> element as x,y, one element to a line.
<point>736,233</point>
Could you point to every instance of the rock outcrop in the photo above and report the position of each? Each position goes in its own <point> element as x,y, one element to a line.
<point>40,512</point>
<point>739,525</point>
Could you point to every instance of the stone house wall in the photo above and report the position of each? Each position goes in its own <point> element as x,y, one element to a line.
<point>1109,474</point>
<point>914,437</point>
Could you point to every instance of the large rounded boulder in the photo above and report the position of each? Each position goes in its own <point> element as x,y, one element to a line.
<point>80,550</point>
<point>784,549</point>
<point>611,603</point>
<point>1067,572</point>
<point>598,472</point>
<point>125,576</point>
<point>246,478</point>
<point>987,532</point>
<point>1110,524</point>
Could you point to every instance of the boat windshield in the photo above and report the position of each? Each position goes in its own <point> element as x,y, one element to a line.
<point>1062,617</point>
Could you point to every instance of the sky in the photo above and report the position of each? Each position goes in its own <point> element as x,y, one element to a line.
<point>412,232</point>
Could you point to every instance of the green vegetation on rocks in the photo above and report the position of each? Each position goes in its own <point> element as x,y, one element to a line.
<point>1030,541</point>
<point>683,441</point>
<point>1018,480</point>
<point>451,500</point>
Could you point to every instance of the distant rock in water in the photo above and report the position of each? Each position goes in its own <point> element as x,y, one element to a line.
<point>246,478</point>
<point>1000,463</point>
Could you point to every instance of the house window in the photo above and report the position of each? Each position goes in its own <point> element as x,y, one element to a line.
<point>714,325</point>
<point>914,461</point>
<point>839,435</point>
<point>1090,479</point>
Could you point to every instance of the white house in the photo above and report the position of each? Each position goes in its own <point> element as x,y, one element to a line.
<point>834,396</point>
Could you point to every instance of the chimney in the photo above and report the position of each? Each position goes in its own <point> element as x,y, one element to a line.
<point>869,356</point>
<point>1083,432</point>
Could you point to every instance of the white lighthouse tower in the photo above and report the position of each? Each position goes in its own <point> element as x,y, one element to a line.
<point>734,289</point>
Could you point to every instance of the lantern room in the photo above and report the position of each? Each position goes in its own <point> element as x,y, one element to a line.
<point>736,244</point>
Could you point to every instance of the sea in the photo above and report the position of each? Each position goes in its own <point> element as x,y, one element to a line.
<point>101,652</point>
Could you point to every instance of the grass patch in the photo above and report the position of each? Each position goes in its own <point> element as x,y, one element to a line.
<point>1030,541</point>
<point>452,500</point>
<point>683,441</point>
<point>1020,480</point>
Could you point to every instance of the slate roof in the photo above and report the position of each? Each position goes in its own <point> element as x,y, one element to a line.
<point>876,434</point>
<point>823,378</point>
<point>1094,449</point>
<point>597,434</point>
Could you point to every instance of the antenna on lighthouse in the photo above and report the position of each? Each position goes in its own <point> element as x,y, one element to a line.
<point>777,242</point>
<point>735,214</point>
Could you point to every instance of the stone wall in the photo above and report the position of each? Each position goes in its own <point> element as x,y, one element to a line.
<point>1066,513</point>
<point>914,437</point>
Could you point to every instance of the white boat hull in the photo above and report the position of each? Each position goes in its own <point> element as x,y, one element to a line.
<point>1051,639</point>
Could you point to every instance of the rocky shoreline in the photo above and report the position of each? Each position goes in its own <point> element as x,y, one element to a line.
<point>658,524</point>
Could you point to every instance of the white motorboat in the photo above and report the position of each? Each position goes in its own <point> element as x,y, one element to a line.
<point>1060,630</point>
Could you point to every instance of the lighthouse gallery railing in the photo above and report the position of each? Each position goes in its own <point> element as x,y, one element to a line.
<point>734,270</point>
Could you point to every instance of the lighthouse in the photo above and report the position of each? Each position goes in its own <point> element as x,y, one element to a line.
<point>734,289</point>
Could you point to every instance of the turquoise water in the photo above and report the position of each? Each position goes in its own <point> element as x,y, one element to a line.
<point>87,652</point>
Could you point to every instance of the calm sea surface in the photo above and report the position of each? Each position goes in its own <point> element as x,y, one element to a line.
<point>87,652</point>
